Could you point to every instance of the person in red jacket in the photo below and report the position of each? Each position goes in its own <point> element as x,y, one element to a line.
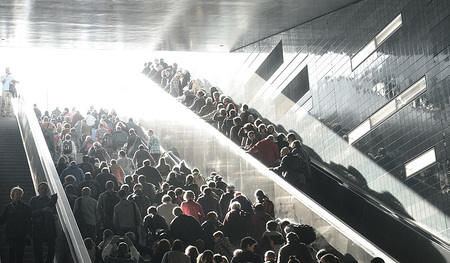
<point>266,151</point>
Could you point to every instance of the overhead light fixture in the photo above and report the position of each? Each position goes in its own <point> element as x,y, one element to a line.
<point>365,52</point>
<point>383,113</point>
<point>409,94</point>
<point>359,131</point>
<point>420,162</point>
<point>389,30</point>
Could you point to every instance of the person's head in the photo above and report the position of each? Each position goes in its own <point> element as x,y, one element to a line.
<point>126,188</point>
<point>320,253</point>
<point>259,208</point>
<point>329,258</point>
<point>86,191</point>
<point>192,252</point>
<point>296,144</point>
<point>217,236</point>
<point>207,191</point>
<point>163,246</point>
<point>291,137</point>
<point>206,257</point>
<point>43,189</point>
<point>146,162</point>
<point>293,259</point>
<point>189,195</point>
<point>377,260</point>
<point>152,210</point>
<point>107,234</point>
<point>131,131</point>
<point>248,244</point>
<point>177,211</point>
<point>113,162</point>
<point>212,185</point>
<point>16,193</point>
<point>251,135</point>
<point>272,225</point>
<point>109,185</point>
<point>150,132</point>
<point>236,205</point>
<point>105,169</point>
<point>122,194</point>
<point>89,243</point>
<point>166,199</point>
<point>122,249</point>
<point>270,255</point>
<point>212,215</point>
<point>177,245</point>
<point>284,151</point>
<point>131,236</point>
<point>230,188</point>
<point>137,187</point>
<point>218,258</point>
<point>292,237</point>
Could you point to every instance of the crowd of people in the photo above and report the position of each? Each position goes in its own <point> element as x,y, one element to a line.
<point>131,206</point>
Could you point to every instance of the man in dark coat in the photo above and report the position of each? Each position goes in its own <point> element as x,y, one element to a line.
<point>17,216</point>
<point>294,247</point>
<point>185,227</point>
<point>151,173</point>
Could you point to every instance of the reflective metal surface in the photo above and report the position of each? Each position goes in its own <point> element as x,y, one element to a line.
<point>198,25</point>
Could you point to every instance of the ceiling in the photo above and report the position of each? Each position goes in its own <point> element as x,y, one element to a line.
<point>182,25</point>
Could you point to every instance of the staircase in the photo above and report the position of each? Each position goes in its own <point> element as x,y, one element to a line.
<point>14,171</point>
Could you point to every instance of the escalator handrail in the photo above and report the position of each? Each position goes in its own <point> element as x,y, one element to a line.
<point>43,169</point>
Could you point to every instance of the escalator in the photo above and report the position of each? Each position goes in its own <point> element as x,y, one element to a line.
<point>14,171</point>
<point>394,233</point>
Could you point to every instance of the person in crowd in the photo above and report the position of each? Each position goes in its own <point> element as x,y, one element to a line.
<point>210,226</point>
<point>199,101</point>
<point>92,184</point>
<point>133,142</point>
<point>86,208</point>
<point>192,252</point>
<point>17,216</point>
<point>141,155</point>
<point>377,260</point>
<point>176,255</point>
<point>329,258</point>
<point>270,257</point>
<point>162,246</point>
<point>152,223</point>
<point>75,136</point>
<point>222,245</point>
<point>97,151</point>
<point>142,201</point>
<point>271,239</point>
<point>266,151</point>
<point>73,170</point>
<point>126,216</point>
<point>123,247</point>
<point>119,138</point>
<point>190,207</point>
<point>117,171</point>
<point>154,145</point>
<point>101,132</point>
<point>259,221</point>
<point>104,177</point>
<point>163,168</point>
<point>207,108</point>
<point>236,224</point>
<point>105,206</point>
<point>246,205</point>
<point>226,198</point>
<point>190,185</point>
<point>291,168</point>
<point>299,150</point>
<point>68,148</point>
<point>70,180</point>
<point>7,82</point>
<point>294,247</point>
<point>262,198</point>
<point>220,184</point>
<point>126,163</point>
<point>209,203</point>
<point>151,173</point>
<point>71,195</point>
<point>43,214</point>
<point>86,166</point>
<point>166,208</point>
<point>248,252</point>
<point>216,192</point>
<point>185,227</point>
<point>148,189</point>
<point>87,144</point>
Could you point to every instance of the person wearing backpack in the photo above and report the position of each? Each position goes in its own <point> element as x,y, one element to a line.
<point>68,148</point>
<point>236,224</point>
<point>291,168</point>
<point>105,206</point>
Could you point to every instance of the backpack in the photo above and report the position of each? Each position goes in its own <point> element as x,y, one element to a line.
<point>110,202</point>
<point>67,147</point>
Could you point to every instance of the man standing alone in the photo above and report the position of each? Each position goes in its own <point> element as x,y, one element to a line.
<point>6,80</point>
